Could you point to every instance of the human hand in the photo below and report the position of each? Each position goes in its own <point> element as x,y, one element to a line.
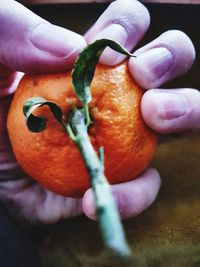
<point>30,44</point>
<point>164,110</point>
<point>19,192</point>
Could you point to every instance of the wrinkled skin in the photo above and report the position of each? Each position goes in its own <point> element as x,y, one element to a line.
<point>31,44</point>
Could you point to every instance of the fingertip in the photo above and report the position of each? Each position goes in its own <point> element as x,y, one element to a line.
<point>131,197</point>
<point>168,56</point>
<point>154,176</point>
<point>32,44</point>
<point>53,48</point>
<point>124,22</point>
<point>150,67</point>
<point>88,205</point>
<point>149,109</point>
<point>134,197</point>
<point>171,110</point>
<point>161,107</point>
<point>57,41</point>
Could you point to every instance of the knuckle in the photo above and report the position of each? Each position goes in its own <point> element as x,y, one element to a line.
<point>129,14</point>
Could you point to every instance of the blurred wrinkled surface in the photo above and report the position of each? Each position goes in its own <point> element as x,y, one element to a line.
<point>168,233</point>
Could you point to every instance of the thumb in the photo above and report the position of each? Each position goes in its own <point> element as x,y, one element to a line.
<point>31,44</point>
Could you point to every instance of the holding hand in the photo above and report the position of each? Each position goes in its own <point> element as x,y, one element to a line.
<point>31,44</point>
<point>164,110</point>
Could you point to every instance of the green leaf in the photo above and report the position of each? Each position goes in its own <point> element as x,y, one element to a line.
<point>85,65</point>
<point>38,124</point>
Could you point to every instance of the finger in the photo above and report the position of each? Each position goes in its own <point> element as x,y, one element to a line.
<point>171,110</point>
<point>8,82</point>
<point>131,197</point>
<point>31,44</point>
<point>35,204</point>
<point>124,21</point>
<point>170,55</point>
<point>56,207</point>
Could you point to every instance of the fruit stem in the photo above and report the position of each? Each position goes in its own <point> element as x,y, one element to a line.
<point>106,210</point>
<point>87,114</point>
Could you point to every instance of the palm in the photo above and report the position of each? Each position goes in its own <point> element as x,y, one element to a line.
<point>19,192</point>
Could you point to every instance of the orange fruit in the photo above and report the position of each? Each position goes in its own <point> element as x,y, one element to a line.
<point>53,159</point>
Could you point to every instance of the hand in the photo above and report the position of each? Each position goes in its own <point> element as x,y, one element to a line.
<point>31,50</point>
<point>30,44</point>
<point>164,110</point>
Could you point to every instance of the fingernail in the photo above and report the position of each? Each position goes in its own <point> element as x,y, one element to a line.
<point>157,61</point>
<point>171,105</point>
<point>58,41</point>
<point>117,33</point>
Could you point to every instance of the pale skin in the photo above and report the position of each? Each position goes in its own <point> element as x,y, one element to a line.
<point>31,44</point>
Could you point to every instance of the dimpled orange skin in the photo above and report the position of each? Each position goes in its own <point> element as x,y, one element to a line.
<point>53,159</point>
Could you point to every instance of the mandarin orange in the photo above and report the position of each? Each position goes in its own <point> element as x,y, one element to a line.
<point>53,159</point>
